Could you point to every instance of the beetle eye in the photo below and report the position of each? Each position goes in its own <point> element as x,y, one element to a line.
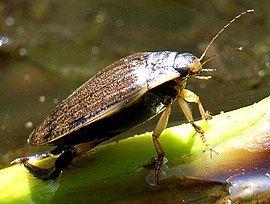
<point>185,74</point>
<point>183,71</point>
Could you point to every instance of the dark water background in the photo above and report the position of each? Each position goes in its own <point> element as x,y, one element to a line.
<point>49,48</point>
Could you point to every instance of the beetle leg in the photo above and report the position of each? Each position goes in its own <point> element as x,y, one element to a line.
<point>65,156</point>
<point>191,97</point>
<point>61,163</point>
<point>185,97</point>
<point>161,125</point>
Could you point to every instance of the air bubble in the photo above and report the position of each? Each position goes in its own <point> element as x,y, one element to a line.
<point>4,40</point>
<point>203,85</point>
<point>100,18</point>
<point>55,100</point>
<point>10,21</point>
<point>95,50</point>
<point>26,77</point>
<point>22,51</point>
<point>119,23</point>
<point>28,125</point>
<point>42,99</point>
<point>261,73</point>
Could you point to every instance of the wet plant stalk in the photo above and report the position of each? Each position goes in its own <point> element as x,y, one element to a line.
<point>241,138</point>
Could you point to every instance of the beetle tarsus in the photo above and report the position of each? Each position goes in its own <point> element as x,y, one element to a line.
<point>42,173</point>
<point>161,125</point>
<point>209,147</point>
<point>159,163</point>
<point>159,160</point>
<point>61,163</point>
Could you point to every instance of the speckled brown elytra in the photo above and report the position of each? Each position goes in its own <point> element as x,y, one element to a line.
<point>125,94</point>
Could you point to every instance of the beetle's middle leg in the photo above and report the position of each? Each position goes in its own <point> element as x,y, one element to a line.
<point>184,99</point>
<point>161,125</point>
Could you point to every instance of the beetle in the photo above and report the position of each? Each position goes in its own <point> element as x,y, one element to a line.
<point>125,94</point>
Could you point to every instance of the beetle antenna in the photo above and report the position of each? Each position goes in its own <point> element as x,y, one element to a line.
<point>221,53</point>
<point>213,70</point>
<point>224,27</point>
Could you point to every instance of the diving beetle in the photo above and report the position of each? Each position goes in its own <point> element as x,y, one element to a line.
<point>123,95</point>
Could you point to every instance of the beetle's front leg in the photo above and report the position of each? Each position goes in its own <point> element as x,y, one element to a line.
<point>184,99</point>
<point>191,97</point>
<point>161,125</point>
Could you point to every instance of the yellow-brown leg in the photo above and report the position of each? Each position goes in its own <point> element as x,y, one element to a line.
<point>191,97</point>
<point>184,99</point>
<point>161,125</point>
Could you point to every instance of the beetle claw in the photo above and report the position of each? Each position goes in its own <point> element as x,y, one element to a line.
<point>20,160</point>
<point>158,172</point>
<point>209,147</point>
<point>211,151</point>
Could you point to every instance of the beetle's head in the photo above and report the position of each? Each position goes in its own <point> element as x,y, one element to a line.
<point>187,64</point>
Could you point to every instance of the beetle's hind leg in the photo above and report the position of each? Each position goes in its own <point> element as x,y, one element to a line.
<point>161,125</point>
<point>61,163</point>
<point>186,97</point>
<point>65,154</point>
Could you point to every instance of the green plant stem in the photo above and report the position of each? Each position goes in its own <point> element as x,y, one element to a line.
<point>116,171</point>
